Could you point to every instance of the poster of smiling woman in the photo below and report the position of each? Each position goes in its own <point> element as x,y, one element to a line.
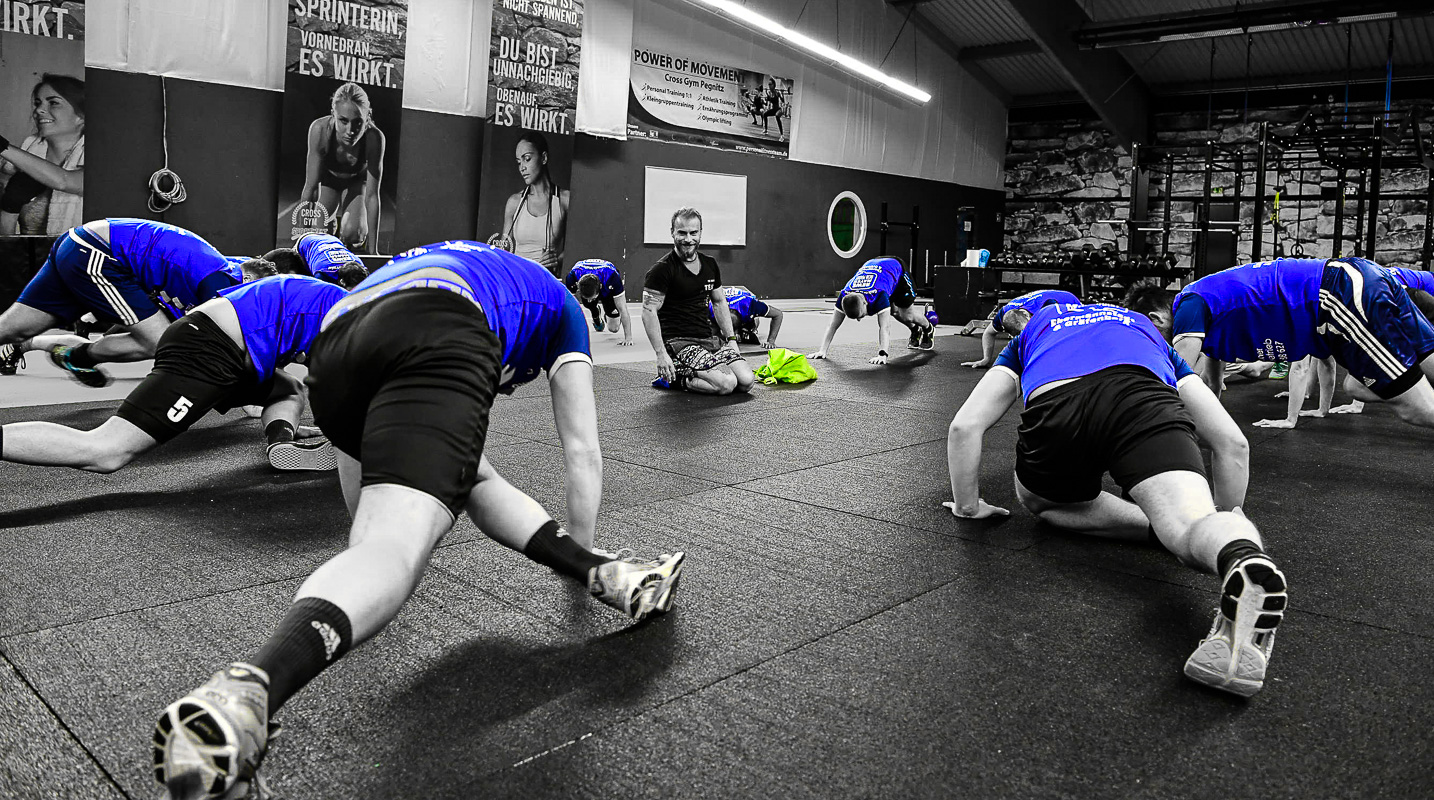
<point>343,101</point>
<point>42,117</point>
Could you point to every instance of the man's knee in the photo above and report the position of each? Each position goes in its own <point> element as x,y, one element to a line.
<point>107,454</point>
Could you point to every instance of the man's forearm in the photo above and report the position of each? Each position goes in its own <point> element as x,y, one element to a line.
<point>723,315</point>
<point>776,326</point>
<point>654,330</point>
<point>626,325</point>
<point>1299,376</point>
<point>988,343</point>
<point>883,339</point>
<point>963,458</point>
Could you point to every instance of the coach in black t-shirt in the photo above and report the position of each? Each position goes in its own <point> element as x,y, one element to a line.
<point>674,313</point>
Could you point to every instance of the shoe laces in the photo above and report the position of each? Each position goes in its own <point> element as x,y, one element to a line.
<point>621,554</point>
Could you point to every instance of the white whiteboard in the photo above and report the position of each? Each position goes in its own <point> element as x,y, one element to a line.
<point>721,199</point>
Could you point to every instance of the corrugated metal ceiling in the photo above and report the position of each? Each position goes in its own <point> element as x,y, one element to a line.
<point>1290,52</point>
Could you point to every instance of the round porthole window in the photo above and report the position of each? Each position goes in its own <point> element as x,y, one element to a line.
<point>846,224</point>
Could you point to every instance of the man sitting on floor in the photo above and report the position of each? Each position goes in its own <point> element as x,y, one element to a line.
<point>1003,321</point>
<point>124,271</point>
<point>881,287</point>
<point>1290,308</point>
<point>675,294</point>
<point>1105,393</point>
<point>598,285</point>
<point>226,353</point>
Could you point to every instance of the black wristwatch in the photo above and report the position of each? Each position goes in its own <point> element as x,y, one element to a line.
<point>881,352</point>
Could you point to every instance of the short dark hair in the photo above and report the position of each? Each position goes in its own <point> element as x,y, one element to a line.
<point>259,268</point>
<point>850,302</point>
<point>287,261</point>
<point>350,275</point>
<point>588,285</point>
<point>1145,297</point>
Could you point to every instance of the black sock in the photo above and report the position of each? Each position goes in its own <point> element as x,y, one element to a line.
<point>80,357</point>
<point>552,547</point>
<point>312,636</point>
<point>280,430</point>
<point>1231,554</point>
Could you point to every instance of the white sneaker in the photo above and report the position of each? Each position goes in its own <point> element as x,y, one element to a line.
<point>1233,658</point>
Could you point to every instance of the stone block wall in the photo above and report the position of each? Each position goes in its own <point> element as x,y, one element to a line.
<point>1066,180</point>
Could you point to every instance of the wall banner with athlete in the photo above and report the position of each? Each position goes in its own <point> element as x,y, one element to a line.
<point>523,195</point>
<point>42,117</point>
<point>339,134</point>
<point>677,99</point>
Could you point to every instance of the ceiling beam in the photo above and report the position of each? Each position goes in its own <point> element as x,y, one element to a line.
<point>1238,20</point>
<point>1326,80</point>
<point>1104,79</point>
<point>925,25</point>
<point>985,52</point>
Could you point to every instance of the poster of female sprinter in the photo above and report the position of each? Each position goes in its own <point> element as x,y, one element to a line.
<point>339,134</point>
<point>524,195</point>
<point>42,118</point>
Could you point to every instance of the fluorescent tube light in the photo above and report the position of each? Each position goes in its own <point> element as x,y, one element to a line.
<point>752,19</point>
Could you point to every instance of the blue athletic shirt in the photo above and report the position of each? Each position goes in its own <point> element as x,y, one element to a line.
<point>876,281</point>
<point>280,316</point>
<point>168,262</point>
<point>742,303</point>
<point>1413,278</point>
<point>1033,302</point>
<point>607,275</point>
<point>324,255</point>
<point>1064,341</point>
<point>1257,312</point>
<point>538,321</point>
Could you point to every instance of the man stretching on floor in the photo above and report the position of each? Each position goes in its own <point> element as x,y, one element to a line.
<point>883,288</point>
<point>227,352</point>
<point>599,288</point>
<point>675,294</point>
<point>402,379</point>
<point>1290,308</point>
<point>1002,320</point>
<point>1105,393</point>
<point>124,271</point>
<point>323,256</point>
<point>745,308</point>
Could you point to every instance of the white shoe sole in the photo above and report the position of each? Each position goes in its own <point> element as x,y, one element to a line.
<point>291,457</point>
<point>1237,665</point>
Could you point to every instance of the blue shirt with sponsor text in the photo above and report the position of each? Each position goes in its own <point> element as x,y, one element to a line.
<point>280,316</point>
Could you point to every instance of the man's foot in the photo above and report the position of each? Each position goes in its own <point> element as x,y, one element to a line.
<point>313,456</point>
<point>89,376</point>
<point>212,740</point>
<point>915,341</point>
<point>1234,656</point>
<point>11,359</point>
<point>638,588</point>
<point>662,383</point>
<point>1280,371</point>
<point>598,325</point>
<point>928,339</point>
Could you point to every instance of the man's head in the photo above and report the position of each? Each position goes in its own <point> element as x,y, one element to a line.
<point>588,287</point>
<point>853,305</point>
<point>1156,302</point>
<point>1014,321</point>
<point>256,268</point>
<point>686,232</point>
<point>350,275</point>
<point>287,261</point>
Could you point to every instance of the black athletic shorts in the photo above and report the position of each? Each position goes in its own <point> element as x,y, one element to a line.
<point>197,367</point>
<point>905,292</point>
<point>1122,420</point>
<point>609,306</point>
<point>404,384</point>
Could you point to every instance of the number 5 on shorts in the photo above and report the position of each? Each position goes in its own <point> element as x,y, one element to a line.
<point>179,409</point>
